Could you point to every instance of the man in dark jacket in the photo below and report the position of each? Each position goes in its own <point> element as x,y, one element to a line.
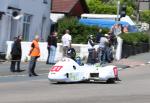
<point>16,53</point>
<point>52,46</point>
<point>99,35</point>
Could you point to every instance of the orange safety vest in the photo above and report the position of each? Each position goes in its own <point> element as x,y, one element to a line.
<point>36,50</point>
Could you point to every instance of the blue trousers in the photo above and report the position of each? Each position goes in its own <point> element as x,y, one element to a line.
<point>52,54</point>
<point>32,65</point>
<point>102,55</point>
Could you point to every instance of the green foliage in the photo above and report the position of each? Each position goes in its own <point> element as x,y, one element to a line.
<point>66,23</point>
<point>109,7</point>
<point>130,10</point>
<point>96,6</point>
<point>130,3</point>
<point>135,38</point>
<point>145,16</point>
<point>78,31</point>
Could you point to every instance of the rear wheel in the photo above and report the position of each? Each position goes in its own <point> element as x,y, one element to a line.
<point>110,81</point>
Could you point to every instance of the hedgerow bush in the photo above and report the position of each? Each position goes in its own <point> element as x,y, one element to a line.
<point>101,7</point>
<point>79,32</point>
<point>135,38</point>
<point>145,16</point>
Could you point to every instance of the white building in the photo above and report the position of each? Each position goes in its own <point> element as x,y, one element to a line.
<point>34,20</point>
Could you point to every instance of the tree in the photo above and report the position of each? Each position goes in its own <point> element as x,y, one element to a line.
<point>107,6</point>
<point>79,32</point>
<point>145,16</point>
<point>98,7</point>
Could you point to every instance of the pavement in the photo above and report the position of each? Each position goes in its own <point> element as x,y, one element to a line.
<point>134,61</point>
<point>42,67</point>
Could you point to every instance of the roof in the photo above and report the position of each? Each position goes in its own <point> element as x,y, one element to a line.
<point>65,6</point>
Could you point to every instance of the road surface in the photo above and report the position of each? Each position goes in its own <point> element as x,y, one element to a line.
<point>134,88</point>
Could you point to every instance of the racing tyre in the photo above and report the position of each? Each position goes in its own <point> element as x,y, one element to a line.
<point>110,81</point>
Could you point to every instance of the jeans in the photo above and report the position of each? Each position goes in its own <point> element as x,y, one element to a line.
<point>52,54</point>
<point>102,55</point>
<point>91,56</point>
<point>32,65</point>
<point>47,61</point>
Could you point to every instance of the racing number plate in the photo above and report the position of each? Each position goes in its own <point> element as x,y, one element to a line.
<point>56,68</point>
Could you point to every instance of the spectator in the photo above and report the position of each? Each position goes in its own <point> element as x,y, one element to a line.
<point>66,42</point>
<point>91,50</point>
<point>102,49</point>
<point>125,29</point>
<point>52,45</point>
<point>35,54</point>
<point>16,54</point>
<point>48,47</point>
<point>98,35</point>
<point>109,53</point>
<point>116,29</point>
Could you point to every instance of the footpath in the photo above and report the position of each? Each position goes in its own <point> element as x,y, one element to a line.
<point>133,61</point>
<point>42,67</point>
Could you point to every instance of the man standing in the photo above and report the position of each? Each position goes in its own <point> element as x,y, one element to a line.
<point>116,29</point>
<point>99,35</point>
<point>102,49</point>
<point>34,53</point>
<point>52,44</point>
<point>92,53</point>
<point>16,53</point>
<point>66,42</point>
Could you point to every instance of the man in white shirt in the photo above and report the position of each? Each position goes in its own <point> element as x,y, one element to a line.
<point>103,41</point>
<point>66,42</point>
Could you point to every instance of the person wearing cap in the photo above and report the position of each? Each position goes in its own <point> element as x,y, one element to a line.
<point>102,49</point>
<point>92,53</point>
<point>35,54</point>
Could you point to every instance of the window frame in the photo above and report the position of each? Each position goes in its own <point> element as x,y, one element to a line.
<point>26,26</point>
<point>45,1</point>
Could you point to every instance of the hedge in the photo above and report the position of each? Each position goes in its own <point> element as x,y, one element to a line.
<point>100,7</point>
<point>79,32</point>
<point>134,43</point>
<point>135,38</point>
<point>145,16</point>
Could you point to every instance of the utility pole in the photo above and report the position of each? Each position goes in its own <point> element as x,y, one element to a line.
<point>138,14</point>
<point>149,9</point>
<point>118,10</point>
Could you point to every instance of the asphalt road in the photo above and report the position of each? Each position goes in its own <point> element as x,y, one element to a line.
<point>41,68</point>
<point>134,88</point>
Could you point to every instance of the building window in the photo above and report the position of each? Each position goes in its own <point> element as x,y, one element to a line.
<point>45,1</point>
<point>26,26</point>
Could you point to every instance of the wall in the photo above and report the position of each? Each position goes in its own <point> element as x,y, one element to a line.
<point>81,50</point>
<point>36,8</point>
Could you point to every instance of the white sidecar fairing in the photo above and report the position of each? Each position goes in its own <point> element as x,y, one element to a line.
<point>67,70</point>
